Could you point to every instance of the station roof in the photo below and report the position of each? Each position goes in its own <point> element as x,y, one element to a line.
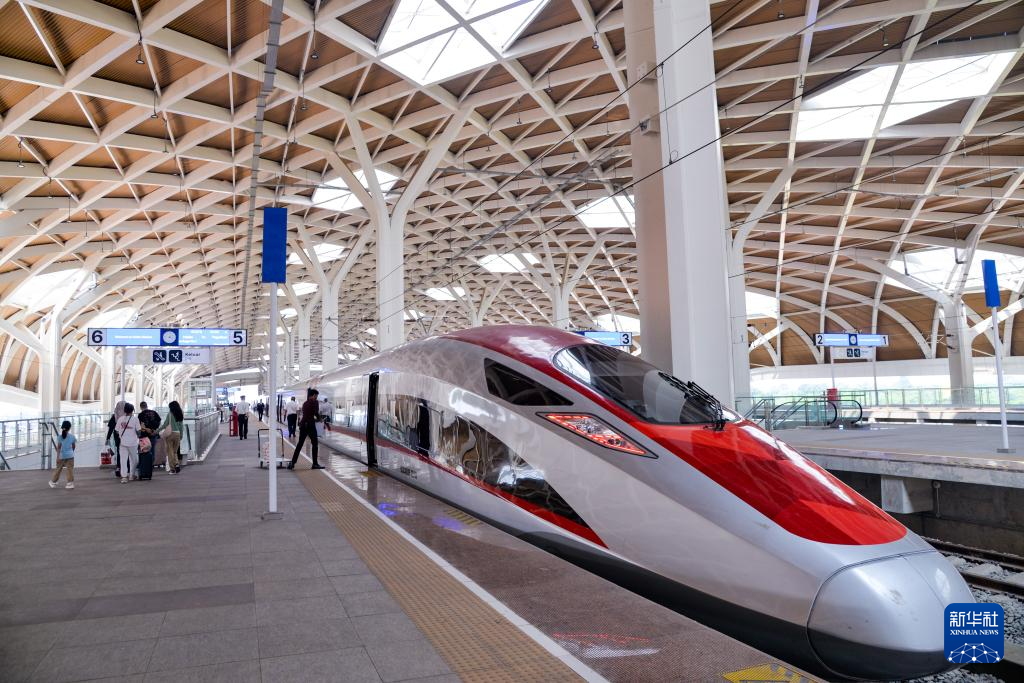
<point>128,136</point>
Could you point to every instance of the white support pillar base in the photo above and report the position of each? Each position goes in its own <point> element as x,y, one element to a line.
<point>958,350</point>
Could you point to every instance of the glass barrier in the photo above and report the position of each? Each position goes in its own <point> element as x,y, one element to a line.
<point>198,435</point>
<point>931,397</point>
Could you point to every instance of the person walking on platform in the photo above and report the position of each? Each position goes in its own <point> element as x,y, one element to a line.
<point>113,439</point>
<point>260,407</point>
<point>150,421</point>
<point>170,431</point>
<point>128,432</point>
<point>327,413</point>
<point>65,456</point>
<point>307,428</point>
<point>242,408</point>
<point>291,411</point>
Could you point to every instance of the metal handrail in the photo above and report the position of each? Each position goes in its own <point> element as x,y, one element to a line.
<point>807,411</point>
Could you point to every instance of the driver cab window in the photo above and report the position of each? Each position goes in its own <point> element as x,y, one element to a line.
<point>518,389</point>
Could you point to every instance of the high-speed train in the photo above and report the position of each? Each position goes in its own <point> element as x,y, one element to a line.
<point>646,479</point>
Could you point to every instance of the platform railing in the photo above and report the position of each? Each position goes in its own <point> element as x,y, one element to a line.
<point>805,411</point>
<point>929,397</point>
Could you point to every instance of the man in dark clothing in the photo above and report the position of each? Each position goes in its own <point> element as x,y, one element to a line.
<point>150,422</point>
<point>259,410</point>
<point>307,427</point>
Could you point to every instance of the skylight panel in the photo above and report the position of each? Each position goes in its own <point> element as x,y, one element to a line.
<point>428,43</point>
<point>499,29</point>
<point>336,196</point>
<point>609,212</point>
<point>413,20</point>
<point>115,317</point>
<point>288,312</point>
<point>324,253</point>
<point>851,109</point>
<point>44,291</point>
<point>618,323</point>
<point>761,305</point>
<point>507,263</point>
<point>439,294</point>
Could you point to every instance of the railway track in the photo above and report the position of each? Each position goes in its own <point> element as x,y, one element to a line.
<point>1011,563</point>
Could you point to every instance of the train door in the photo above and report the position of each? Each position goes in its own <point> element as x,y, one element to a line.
<point>371,421</point>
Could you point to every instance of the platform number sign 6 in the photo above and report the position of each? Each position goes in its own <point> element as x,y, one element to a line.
<point>97,337</point>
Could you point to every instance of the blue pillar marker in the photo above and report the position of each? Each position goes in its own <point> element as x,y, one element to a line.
<point>275,244</point>
<point>988,273</point>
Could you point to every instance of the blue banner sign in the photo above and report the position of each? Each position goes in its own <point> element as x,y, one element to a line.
<point>988,274</point>
<point>168,336</point>
<point>275,244</point>
<point>850,339</point>
<point>612,338</point>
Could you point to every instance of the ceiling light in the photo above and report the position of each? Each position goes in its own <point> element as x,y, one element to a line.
<point>139,59</point>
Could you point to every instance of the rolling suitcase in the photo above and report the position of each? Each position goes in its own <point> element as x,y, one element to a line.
<point>146,465</point>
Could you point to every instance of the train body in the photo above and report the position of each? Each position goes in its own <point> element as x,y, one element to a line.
<point>598,456</point>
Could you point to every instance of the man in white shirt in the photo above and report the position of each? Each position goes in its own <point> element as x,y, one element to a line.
<point>291,411</point>
<point>242,408</point>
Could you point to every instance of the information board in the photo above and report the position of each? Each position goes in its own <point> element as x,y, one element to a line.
<point>168,336</point>
<point>850,339</point>
<point>611,338</point>
<point>169,356</point>
<point>853,352</point>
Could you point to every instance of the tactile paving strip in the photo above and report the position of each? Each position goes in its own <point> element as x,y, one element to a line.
<point>479,644</point>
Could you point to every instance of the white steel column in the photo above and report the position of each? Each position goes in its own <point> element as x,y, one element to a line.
<point>958,351</point>
<point>683,245</point>
<point>329,326</point>
<point>50,368</point>
<point>390,281</point>
<point>107,379</point>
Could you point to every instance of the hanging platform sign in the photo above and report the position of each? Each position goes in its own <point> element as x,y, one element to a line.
<point>612,338</point>
<point>167,336</point>
<point>167,356</point>
<point>850,339</point>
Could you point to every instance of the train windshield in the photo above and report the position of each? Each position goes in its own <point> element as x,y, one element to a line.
<point>653,395</point>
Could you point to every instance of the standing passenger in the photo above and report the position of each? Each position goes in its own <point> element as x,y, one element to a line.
<point>291,410</point>
<point>112,436</point>
<point>65,456</point>
<point>171,430</point>
<point>307,427</point>
<point>150,421</point>
<point>242,408</point>
<point>259,410</point>
<point>128,433</point>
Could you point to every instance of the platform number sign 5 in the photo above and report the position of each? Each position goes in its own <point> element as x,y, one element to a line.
<point>238,337</point>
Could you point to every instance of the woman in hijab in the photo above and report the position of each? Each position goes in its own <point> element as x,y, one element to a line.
<point>112,434</point>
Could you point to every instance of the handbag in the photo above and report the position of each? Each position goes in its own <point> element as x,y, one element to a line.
<point>144,444</point>
<point>166,432</point>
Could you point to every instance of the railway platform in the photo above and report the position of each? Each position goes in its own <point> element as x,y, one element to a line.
<point>963,453</point>
<point>364,579</point>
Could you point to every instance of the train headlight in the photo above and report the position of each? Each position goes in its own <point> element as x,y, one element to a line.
<point>589,427</point>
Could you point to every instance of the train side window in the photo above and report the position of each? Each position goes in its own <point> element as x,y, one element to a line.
<point>518,389</point>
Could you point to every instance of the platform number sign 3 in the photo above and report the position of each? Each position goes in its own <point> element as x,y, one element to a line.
<point>627,339</point>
